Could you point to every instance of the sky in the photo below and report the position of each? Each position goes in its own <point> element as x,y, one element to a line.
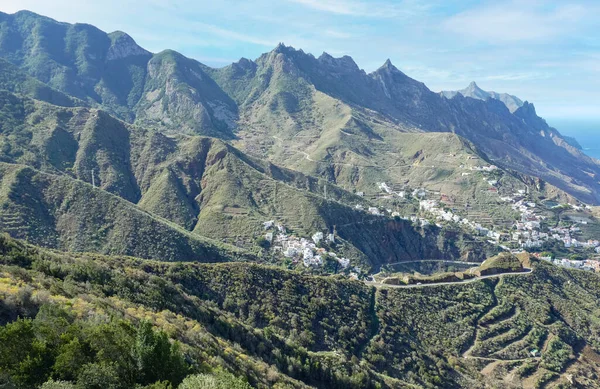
<point>546,52</point>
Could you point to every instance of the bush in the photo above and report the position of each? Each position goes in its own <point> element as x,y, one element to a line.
<point>57,385</point>
<point>100,376</point>
<point>263,242</point>
<point>220,380</point>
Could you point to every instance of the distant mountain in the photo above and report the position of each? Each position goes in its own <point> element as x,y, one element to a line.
<point>324,117</point>
<point>297,109</point>
<point>287,103</point>
<point>474,91</point>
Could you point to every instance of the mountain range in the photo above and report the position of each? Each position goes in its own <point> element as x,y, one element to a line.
<point>215,152</point>
<point>140,193</point>
<point>323,116</point>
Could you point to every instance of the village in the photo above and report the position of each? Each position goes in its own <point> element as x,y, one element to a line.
<point>526,233</point>
<point>587,264</point>
<point>305,249</point>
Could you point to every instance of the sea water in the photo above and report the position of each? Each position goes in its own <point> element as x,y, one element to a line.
<point>586,131</point>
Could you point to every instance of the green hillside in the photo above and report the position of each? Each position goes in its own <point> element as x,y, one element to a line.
<point>276,327</point>
<point>169,225</point>
<point>202,184</point>
<point>290,107</point>
<point>60,212</point>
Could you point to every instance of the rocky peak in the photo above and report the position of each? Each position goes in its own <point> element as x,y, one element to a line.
<point>527,109</point>
<point>344,64</point>
<point>243,65</point>
<point>473,87</point>
<point>122,46</point>
<point>389,70</point>
<point>388,66</point>
<point>475,92</point>
<point>283,49</point>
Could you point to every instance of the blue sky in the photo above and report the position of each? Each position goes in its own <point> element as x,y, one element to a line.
<point>547,52</point>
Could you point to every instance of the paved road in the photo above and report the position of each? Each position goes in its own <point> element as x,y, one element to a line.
<point>380,285</point>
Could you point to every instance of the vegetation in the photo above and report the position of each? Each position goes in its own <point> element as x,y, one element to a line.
<point>153,172</point>
<point>276,327</point>
<point>199,184</point>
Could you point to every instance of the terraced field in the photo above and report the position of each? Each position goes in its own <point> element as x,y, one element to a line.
<point>510,346</point>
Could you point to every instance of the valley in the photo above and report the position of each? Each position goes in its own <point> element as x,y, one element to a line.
<point>290,221</point>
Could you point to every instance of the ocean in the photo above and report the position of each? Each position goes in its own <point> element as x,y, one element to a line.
<point>587,133</point>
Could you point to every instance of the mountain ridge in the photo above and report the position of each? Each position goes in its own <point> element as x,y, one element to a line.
<point>474,91</point>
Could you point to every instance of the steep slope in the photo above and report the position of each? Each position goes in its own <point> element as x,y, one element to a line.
<point>60,212</point>
<point>112,71</point>
<point>529,145</point>
<point>178,95</point>
<point>206,186</point>
<point>475,92</point>
<point>278,328</point>
<point>384,102</point>
<point>286,94</point>
<point>13,79</point>
<point>77,59</point>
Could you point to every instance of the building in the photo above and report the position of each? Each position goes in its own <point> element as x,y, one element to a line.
<point>374,211</point>
<point>317,237</point>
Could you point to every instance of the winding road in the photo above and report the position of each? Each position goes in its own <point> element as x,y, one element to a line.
<point>382,285</point>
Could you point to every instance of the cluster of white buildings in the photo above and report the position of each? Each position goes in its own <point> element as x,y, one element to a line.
<point>431,206</point>
<point>529,235</point>
<point>303,249</point>
<point>489,168</point>
<point>565,234</point>
<point>588,264</point>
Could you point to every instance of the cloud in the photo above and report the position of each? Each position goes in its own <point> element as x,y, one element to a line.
<point>338,34</point>
<point>232,35</point>
<point>365,8</point>
<point>522,76</point>
<point>517,22</point>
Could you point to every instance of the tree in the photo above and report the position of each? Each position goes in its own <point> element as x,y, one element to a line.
<point>72,356</point>
<point>155,358</point>
<point>262,242</point>
<point>23,357</point>
<point>330,265</point>
<point>100,376</point>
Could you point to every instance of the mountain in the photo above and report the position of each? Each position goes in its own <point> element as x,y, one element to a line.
<point>475,92</point>
<point>201,185</point>
<point>287,103</point>
<point>143,198</point>
<point>278,328</point>
<point>63,213</point>
<point>138,124</point>
<point>111,71</point>
<point>344,119</point>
